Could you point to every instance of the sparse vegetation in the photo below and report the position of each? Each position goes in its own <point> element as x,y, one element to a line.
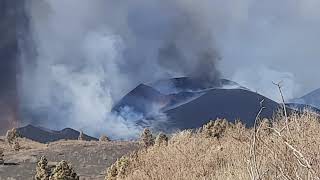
<point>161,140</point>
<point>215,128</point>
<point>64,171</point>
<point>42,170</point>
<point>12,136</point>
<point>118,169</point>
<point>1,157</point>
<point>12,139</point>
<point>279,154</point>
<point>147,138</point>
<point>218,150</point>
<point>104,138</point>
<point>16,146</point>
<point>88,158</point>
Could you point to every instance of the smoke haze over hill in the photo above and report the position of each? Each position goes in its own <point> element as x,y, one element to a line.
<point>80,57</point>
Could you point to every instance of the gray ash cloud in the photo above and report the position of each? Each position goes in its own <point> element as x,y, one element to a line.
<point>80,57</point>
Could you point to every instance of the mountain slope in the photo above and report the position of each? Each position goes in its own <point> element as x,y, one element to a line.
<point>231,104</point>
<point>190,104</point>
<point>42,135</point>
<point>142,99</point>
<point>166,94</point>
<point>312,99</point>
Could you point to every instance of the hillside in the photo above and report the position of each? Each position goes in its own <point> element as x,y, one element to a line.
<point>311,99</point>
<point>183,103</point>
<point>231,104</point>
<point>43,135</point>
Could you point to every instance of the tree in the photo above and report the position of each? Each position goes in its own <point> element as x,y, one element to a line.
<point>42,170</point>
<point>12,136</point>
<point>63,171</point>
<point>104,138</point>
<point>146,138</point>
<point>118,169</point>
<point>162,139</point>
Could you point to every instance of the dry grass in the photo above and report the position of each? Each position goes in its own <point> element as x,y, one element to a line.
<point>275,153</point>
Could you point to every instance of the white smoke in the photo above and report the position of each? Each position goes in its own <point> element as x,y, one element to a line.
<point>273,40</point>
<point>90,53</point>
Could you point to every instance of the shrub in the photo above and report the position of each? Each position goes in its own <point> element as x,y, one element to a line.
<point>118,169</point>
<point>42,170</point>
<point>265,126</point>
<point>215,128</point>
<point>104,138</point>
<point>1,157</point>
<point>12,136</point>
<point>63,171</point>
<point>268,152</point>
<point>16,146</point>
<point>161,139</point>
<point>146,138</point>
<point>12,139</point>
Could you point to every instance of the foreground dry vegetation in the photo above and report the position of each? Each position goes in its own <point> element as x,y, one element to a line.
<point>284,148</point>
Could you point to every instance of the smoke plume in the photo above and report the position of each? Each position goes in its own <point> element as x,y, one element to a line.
<point>272,40</point>
<point>10,13</point>
<point>86,55</point>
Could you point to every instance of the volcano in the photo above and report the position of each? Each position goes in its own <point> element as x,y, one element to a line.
<point>166,94</point>
<point>232,104</point>
<point>183,103</point>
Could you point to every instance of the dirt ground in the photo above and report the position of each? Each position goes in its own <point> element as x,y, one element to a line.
<point>89,159</point>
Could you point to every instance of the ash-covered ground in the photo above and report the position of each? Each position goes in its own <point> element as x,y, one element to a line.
<point>90,159</point>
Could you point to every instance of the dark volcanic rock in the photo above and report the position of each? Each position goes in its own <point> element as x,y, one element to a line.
<point>303,107</point>
<point>43,135</point>
<point>231,104</point>
<point>187,84</point>
<point>166,94</point>
<point>194,104</point>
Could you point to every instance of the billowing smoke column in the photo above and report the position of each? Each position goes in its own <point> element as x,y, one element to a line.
<point>88,54</point>
<point>85,55</point>
<point>10,14</point>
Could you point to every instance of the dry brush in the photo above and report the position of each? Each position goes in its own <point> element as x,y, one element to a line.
<point>284,148</point>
